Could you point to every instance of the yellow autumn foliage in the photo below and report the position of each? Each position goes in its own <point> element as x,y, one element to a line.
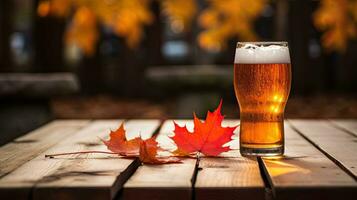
<point>58,8</point>
<point>180,13</point>
<point>337,18</point>
<point>126,18</point>
<point>83,30</point>
<point>223,20</point>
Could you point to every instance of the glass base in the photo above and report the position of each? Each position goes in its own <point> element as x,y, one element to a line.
<point>264,152</point>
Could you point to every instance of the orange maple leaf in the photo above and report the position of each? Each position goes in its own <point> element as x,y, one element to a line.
<point>208,137</point>
<point>146,150</point>
<point>119,144</point>
<point>148,153</point>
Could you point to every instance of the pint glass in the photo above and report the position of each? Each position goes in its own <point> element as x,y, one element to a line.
<point>262,79</point>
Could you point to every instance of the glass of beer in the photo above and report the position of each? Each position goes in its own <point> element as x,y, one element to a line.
<point>262,80</point>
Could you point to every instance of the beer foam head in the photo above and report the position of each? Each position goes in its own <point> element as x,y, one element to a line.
<point>256,54</point>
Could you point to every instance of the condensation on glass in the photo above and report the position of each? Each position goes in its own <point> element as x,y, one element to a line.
<point>262,80</point>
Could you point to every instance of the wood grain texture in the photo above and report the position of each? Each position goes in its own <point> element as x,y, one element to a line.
<point>170,181</point>
<point>306,173</point>
<point>337,144</point>
<point>230,177</point>
<point>86,176</point>
<point>348,125</point>
<point>27,147</point>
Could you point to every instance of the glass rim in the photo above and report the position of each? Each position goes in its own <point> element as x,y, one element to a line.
<point>263,43</point>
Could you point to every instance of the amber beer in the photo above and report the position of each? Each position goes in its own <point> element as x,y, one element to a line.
<point>262,79</point>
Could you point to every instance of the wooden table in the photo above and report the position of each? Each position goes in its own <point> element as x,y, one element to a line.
<point>320,163</point>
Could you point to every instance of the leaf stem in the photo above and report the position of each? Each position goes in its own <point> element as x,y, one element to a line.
<point>76,152</point>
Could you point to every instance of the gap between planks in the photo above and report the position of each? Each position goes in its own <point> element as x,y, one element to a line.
<point>336,144</point>
<point>67,190</point>
<point>229,177</point>
<point>347,125</point>
<point>168,181</point>
<point>76,176</point>
<point>306,173</point>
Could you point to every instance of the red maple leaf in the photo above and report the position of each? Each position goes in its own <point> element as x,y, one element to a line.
<point>207,137</point>
<point>119,144</point>
<point>148,153</point>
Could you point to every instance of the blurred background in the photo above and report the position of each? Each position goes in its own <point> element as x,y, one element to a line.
<point>165,58</point>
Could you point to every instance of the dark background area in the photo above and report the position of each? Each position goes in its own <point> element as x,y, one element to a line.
<point>167,76</point>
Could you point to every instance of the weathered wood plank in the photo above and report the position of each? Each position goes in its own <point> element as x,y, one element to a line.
<point>76,176</point>
<point>27,147</point>
<point>337,144</point>
<point>229,178</point>
<point>20,182</point>
<point>109,173</point>
<point>348,125</point>
<point>306,173</point>
<point>171,181</point>
<point>233,177</point>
